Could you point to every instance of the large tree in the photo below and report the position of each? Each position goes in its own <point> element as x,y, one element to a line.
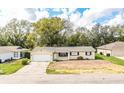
<point>49,31</point>
<point>78,39</point>
<point>16,31</point>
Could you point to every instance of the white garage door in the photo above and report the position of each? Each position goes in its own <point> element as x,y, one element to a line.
<point>41,58</point>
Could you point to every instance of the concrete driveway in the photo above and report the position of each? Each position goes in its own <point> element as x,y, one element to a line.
<point>35,74</point>
<point>32,73</point>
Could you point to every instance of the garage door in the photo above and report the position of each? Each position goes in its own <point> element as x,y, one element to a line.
<point>41,58</point>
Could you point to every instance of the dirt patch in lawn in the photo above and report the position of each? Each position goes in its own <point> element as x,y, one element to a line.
<point>84,66</point>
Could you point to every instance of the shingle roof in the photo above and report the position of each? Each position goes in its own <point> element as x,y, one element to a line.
<point>64,49</point>
<point>115,45</point>
<point>3,50</point>
<point>6,49</point>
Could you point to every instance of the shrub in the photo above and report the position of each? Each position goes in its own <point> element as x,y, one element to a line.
<point>25,61</point>
<point>101,53</point>
<point>98,56</point>
<point>80,58</point>
<point>56,60</point>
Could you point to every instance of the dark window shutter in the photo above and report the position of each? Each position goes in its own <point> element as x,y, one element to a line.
<point>90,53</point>
<point>59,54</point>
<point>85,53</point>
<point>77,53</point>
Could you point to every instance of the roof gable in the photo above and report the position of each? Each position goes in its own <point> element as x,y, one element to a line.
<point>115,45</point>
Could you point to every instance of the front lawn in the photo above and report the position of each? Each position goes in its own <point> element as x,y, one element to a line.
<point>10,67</point>
<point>83,66</point>
<point>111,59</point>
<point>102,64</point>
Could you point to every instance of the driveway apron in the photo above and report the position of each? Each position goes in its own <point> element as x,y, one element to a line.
<point>31,73</point>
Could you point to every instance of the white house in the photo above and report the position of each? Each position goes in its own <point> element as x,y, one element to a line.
<point>46,54</point>
<point>112,49</point>
<point>11,52</point>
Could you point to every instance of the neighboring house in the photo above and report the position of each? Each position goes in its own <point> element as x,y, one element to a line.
<point>42,54</point>
<point>11,52</point>
<point>112,49</point>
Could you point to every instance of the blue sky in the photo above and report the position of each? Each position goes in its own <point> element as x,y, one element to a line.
<point>78,16</point>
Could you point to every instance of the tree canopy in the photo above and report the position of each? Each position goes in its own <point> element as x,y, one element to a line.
<point>55,31</point>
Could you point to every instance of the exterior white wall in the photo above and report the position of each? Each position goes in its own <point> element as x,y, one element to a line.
<point>92,56</point>
<point>118,52</point>
<point>114,52</point>
<point>75,57</point>
<point>105,52</point>
<point>10,55</point>
<point>16,57</point>
<point>56,57</point>
<point>42,58</point>
<point>5,56</point>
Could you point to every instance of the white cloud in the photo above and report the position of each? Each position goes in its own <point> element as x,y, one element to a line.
<point>66,12</point>
<point>56,9</point>
<point>75,18</point>
<point>118,19</point>
<point>8,14</point>
<point>71,10</point>
<point>30,14</point>
<point>90,15</point>
<point>87,18</point>
<point>41,14</point>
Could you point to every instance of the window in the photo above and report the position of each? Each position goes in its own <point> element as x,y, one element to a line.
<point>88,53</point>
<point>108,54</point>
<point>65,54</point>
<point>15,54</point>
<point>74,53</point>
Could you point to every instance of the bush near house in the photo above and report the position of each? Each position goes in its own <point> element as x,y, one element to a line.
<point>11,66</point>
<point>110,58</point>
<point>25,61</point>
<point>80,58</point>
<point>98,56</point>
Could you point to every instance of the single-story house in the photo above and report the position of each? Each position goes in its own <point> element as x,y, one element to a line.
<point>112,49</point>
<point>11,52</point>
<point>41,54</point>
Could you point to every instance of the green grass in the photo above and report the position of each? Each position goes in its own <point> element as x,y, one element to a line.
<point>111,59</point>
<point>10,67</point>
